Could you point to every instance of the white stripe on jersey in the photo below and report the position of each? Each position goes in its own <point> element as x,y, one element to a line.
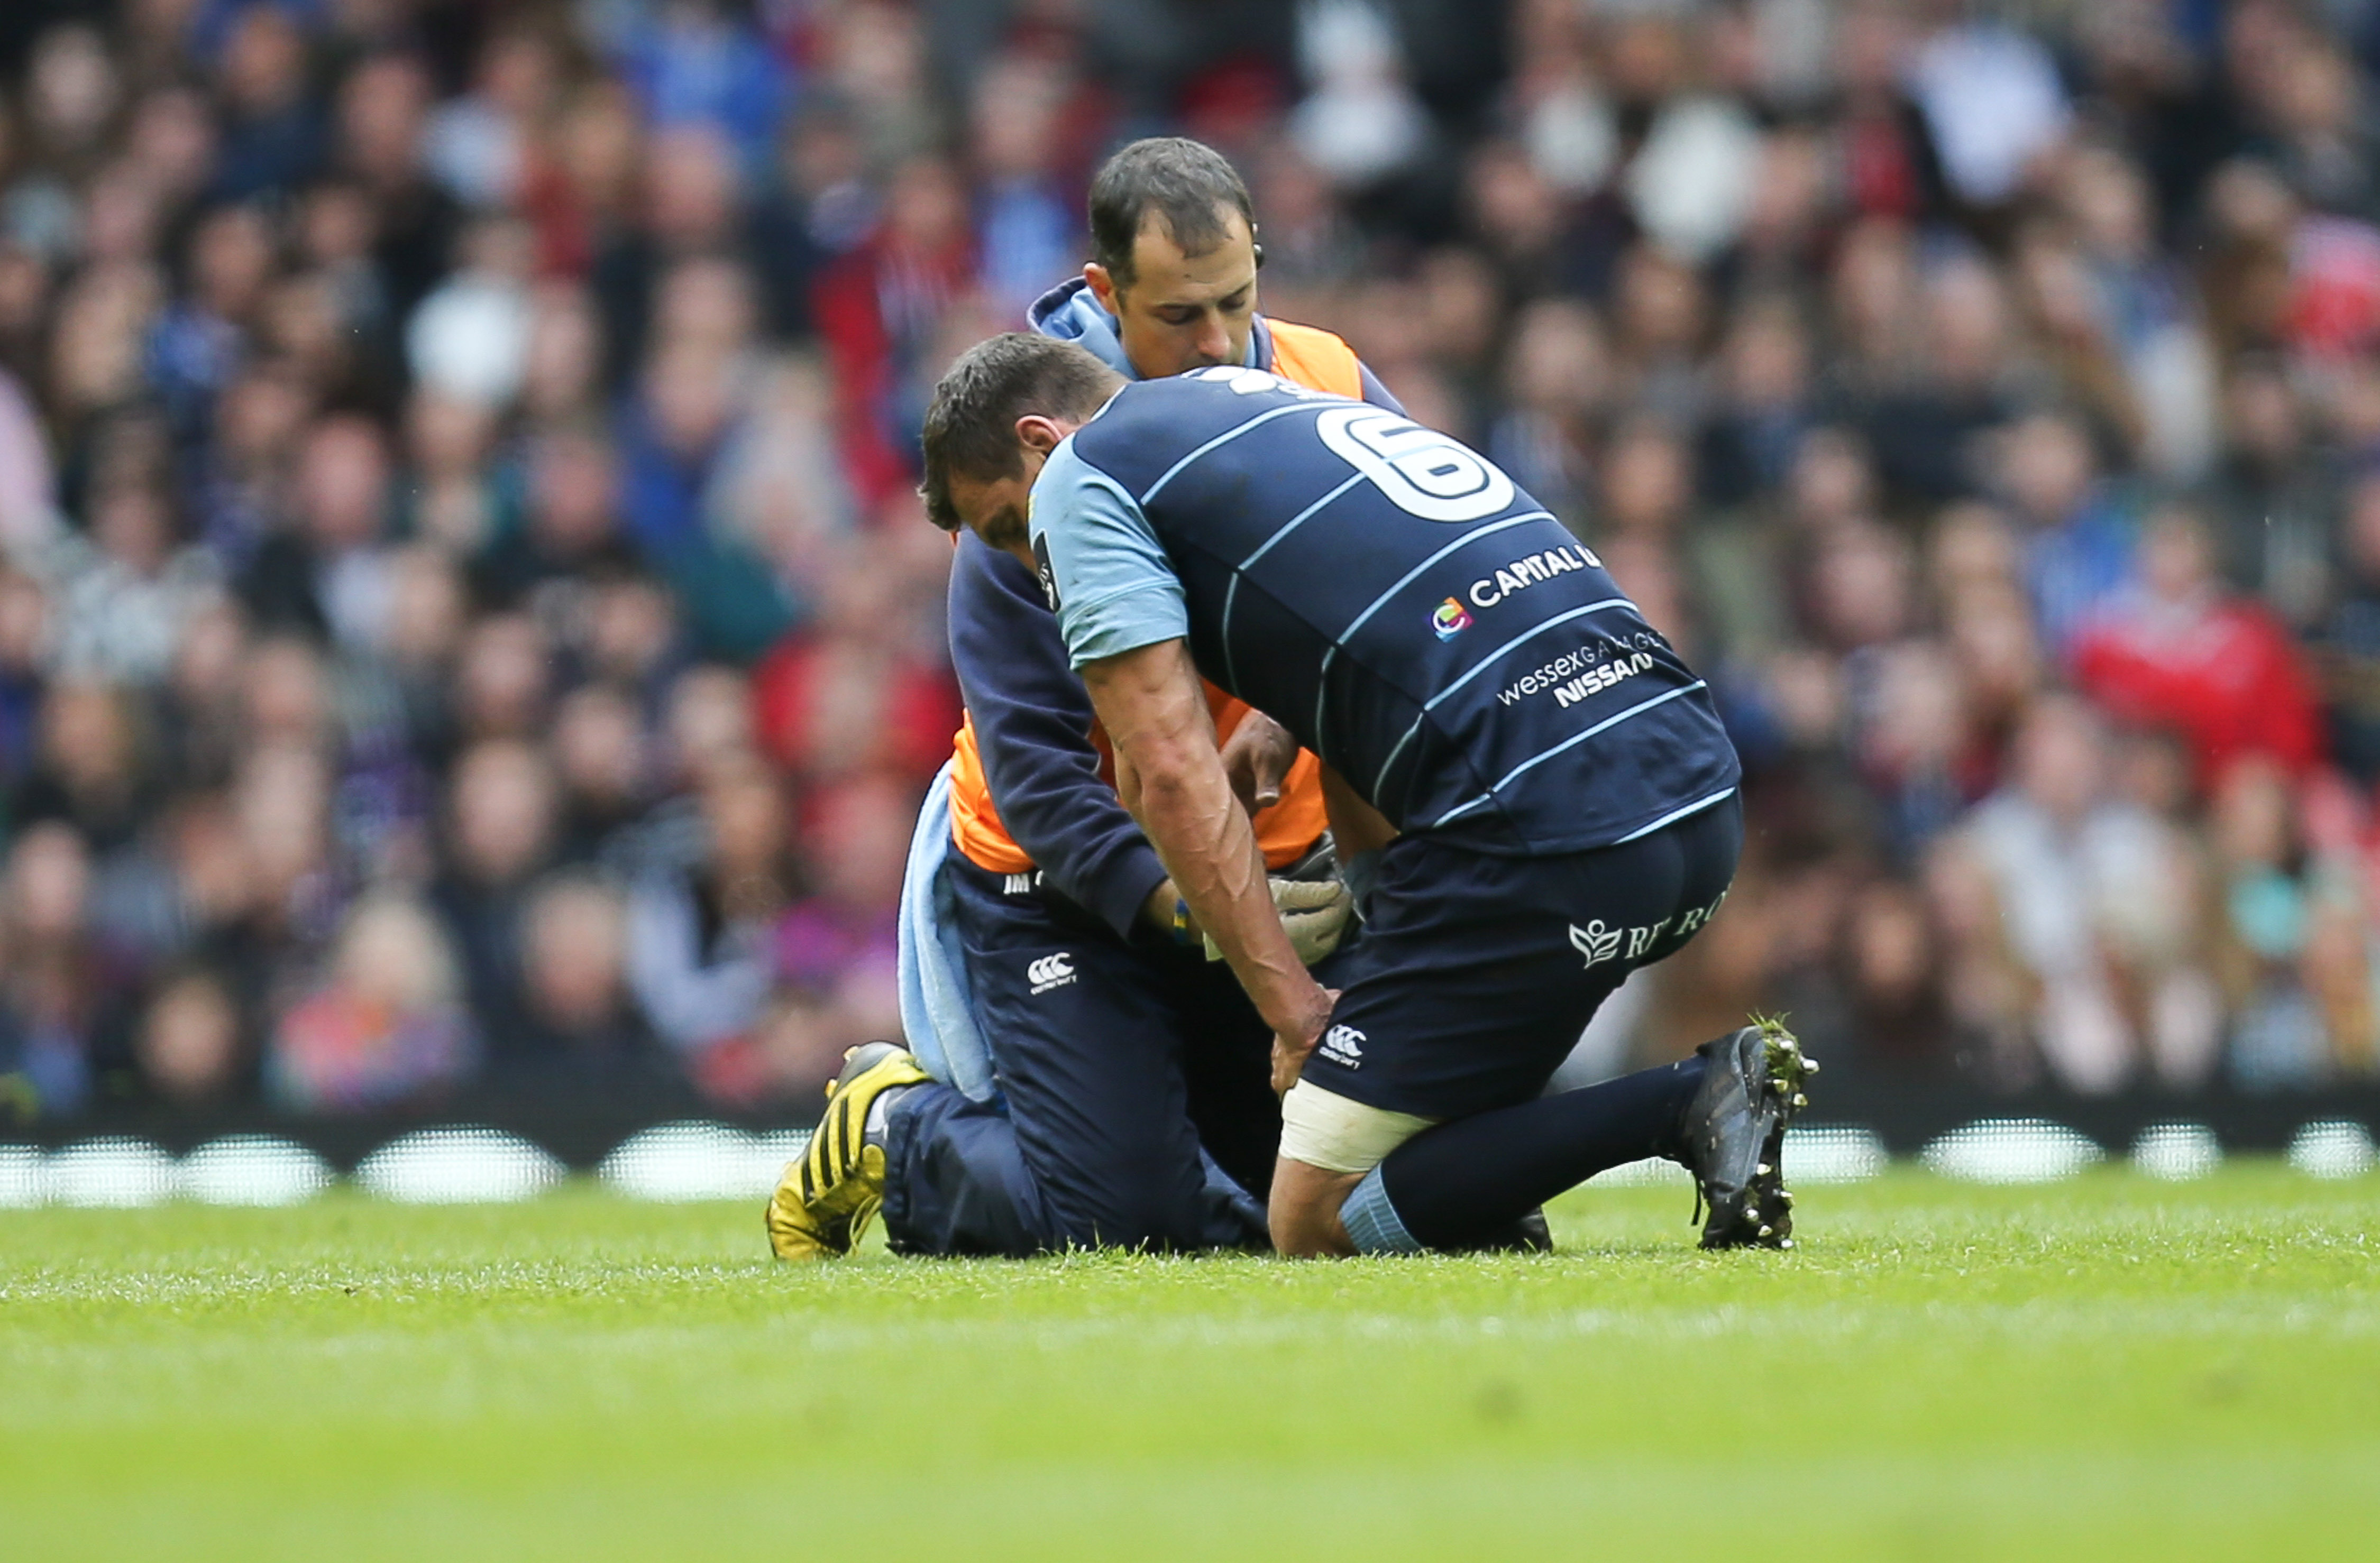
<point>1572,742</point>
<point>1483,663</point>
<point>1228,435</point>
<point>1296,521</point>
<point>1232,592</point>
<point>1674,816</point>
<point>1322,688</point>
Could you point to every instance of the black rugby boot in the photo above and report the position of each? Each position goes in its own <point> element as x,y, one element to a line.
<point>1731,1135</point>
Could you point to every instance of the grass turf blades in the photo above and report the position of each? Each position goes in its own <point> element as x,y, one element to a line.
<point>2106,1368</point>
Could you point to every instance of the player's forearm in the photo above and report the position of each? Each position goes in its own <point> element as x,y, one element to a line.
<point>1171,776</point>
<point>1204,837</point>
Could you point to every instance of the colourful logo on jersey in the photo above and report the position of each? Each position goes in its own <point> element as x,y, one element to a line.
<point>1451,620</point>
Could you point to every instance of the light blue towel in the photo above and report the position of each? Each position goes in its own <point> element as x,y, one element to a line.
<point>937,1009</point>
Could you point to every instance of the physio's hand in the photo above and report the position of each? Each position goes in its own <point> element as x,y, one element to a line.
<point>1292,1043</point>
<point>1314,912</point>
<point>1257,757</point>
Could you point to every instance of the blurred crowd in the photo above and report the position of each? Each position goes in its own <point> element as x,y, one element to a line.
<point>466,618</point>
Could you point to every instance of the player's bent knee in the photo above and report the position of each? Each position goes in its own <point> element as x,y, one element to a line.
<point>1331,1147</point>
<point>1304,1211</point>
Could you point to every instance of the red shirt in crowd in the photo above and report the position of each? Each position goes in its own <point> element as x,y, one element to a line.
<point>2222,673</point>
<point>826,706</point>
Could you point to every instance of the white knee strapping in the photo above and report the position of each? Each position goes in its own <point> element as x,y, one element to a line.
<point>1324,1129</point>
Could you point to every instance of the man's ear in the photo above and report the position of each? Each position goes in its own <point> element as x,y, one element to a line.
<point>1040,435</point>
<point>1103,287</point>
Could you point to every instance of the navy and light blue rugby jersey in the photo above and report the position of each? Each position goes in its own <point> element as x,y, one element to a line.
<point>1388,596</point>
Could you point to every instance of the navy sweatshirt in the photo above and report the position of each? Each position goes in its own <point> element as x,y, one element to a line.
<point>1032,716</point>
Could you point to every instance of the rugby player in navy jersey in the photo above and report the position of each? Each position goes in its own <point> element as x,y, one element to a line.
<point>1538,787</point>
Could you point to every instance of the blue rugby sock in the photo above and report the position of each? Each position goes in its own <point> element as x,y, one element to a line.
<point>1465,1182</point>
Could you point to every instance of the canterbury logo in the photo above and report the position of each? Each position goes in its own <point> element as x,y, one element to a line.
<point>1344,1045</point>
<point>1051,971</point>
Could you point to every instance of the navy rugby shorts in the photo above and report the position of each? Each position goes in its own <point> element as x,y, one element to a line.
<point>1474,975</point>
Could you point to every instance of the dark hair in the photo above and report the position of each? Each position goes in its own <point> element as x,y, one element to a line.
<point>971,423</point>
<point>1186,183</point>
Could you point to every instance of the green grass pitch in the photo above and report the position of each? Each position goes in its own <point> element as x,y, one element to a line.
<point>2107,1368</point>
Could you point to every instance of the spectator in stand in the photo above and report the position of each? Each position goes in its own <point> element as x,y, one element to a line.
<point>570,522</point>
<point>674,438</point>
<point>328,574</point>
<point>837,947</point>
<point>2066,861</point>
<point>699,931</point>
<point>695,62</point>
<point>198,342</point>
<point>856,691</point>
<point>24,627</point>
<point>272,129</point>
<point>2080,540</point>
<point>386,1027</point>
<point>2347,651</point>
<point>1556,391</point>
<point>504,678</point>
<point>2272,496</point>
<point>127,592</point>
<point>1750,440</point>
<point>1892,963</point>
<point>501,825</point>
<point>50,1002</point>
<point>382,103</point>
<point>580,1030</point>
<point>93,772</point>
<point>190,1049</point>
<point>1026,229</point>
<point>2175,650</point>
<point>1915,727</point>
<point>2275,892</point>
<point>602,761</point>
<point>879,309</point>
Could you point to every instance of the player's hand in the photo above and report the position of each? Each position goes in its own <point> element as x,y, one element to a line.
<point>1257,757</point>
<point>1291,1044</point>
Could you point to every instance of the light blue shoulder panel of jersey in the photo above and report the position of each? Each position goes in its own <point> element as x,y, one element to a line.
<point>1101,566</point>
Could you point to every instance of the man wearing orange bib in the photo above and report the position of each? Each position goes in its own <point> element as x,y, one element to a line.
<point>1079,1073</point>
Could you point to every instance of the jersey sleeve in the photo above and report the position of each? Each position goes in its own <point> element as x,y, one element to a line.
<point>1033,726</point>
<point>1102,567</point>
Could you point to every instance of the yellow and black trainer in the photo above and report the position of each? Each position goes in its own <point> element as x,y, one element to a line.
<point>833,1189</point>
